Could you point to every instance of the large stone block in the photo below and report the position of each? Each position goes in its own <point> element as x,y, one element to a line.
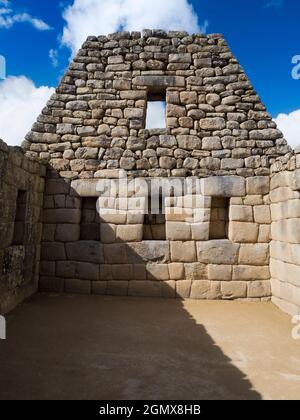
<point>147,251</point>
<point>169,289</point>
<point>145,288</point>
<point>234,290</point>
<point>99,287</point>
<point>62,216</point>
<point>254,254</point>
<point>241,213</point>
<point>176,271</point>
<point>159,81</point>
<point>82,287</point>
<point>183,288</point>
<point>87,271</point>
<point>205,289</point>
<point>53,251</point>
<point>85,251</point>
<point>218,252</point>
<point>115,253</point>
<point>183,251</point>
<point>250,272</point>
<point>285,210</point>
<point>178,231</point>
<point>262,214</point>
<point>195,271</point>
<point>117,288</point>
<point>258,185</point>
<point>108,233</point>
<point>243,232</point>
<point>200,231</point>
<point>285,252</point>
<point>86,187</point>
<point>219,272</point>
<point>122,271</point>
<point>129,233</point>
<point>224,186</point>
<point>158,272</point>
<point>259,289</point>
<point>51,284</point>
<point>66,269</point>
<point>286,231</point>
<point>285,272</point>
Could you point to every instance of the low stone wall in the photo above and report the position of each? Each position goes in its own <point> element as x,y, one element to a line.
<point>285,245</point>
<point>186,264</point>
<point>21,199</point>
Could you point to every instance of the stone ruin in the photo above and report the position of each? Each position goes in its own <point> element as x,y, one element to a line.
<point>232,232</point>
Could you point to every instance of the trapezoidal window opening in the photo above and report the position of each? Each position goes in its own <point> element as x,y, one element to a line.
<point>156,109</point>
<point>155,219</point>
<point>90,220</point>
<point>219,218</point>
<point>20,218</point>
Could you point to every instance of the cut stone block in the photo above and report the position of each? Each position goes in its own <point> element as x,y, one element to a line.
<point>218,252</point>
<point>249,272</point>
<point>117,288</point>
<point>234,290</point>
<point>85,251</point>
<point>219,272</point>
<point>259,289</point>
<point>176,271</point>
<point>158,272</point>
<point>254,254</point>
<point>195,271</point>
<point>178,231</point>
<point>148,251</point>
<point>83,287</point>
<point>224,186</point>
<point>129,233</point>
<point>205,289</point>
<point>145,288</point>
<point>243,232</point>
<point>183,251</point>
<point>183,288</point>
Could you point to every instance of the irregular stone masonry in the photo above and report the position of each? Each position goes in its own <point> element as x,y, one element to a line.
<point>215,122</point>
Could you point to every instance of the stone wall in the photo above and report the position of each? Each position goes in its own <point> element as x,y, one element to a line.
<point>215,122</point>
<point>285,245</point>
<point>21,200</point>
<point>186,264</point>
<point>217,129</point>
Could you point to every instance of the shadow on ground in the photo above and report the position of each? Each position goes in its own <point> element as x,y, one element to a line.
<point>92,347</point>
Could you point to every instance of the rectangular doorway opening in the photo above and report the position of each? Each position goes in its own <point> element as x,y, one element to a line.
<point>219,218</point>
<point>155,220</point>
<point>90,220</point>
<point>156,110</point>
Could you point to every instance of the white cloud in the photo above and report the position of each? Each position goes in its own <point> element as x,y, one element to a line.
<point>53,55</point>
<point>156,115</point>
<point>289,124</point>
<point>20,104</point>
<point>274,3</point>
<point>8,18</point>
<point>100,17</point>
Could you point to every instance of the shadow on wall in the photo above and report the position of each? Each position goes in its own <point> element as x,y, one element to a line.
<point>113,349</point>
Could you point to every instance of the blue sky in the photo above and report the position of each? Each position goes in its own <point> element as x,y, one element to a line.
<point>263,34</point>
